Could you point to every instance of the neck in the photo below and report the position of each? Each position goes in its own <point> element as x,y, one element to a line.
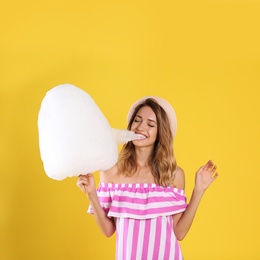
<point>142,156</point>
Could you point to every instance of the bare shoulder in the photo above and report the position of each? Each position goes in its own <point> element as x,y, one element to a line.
<point>108,176</point>
<point>179,178</point>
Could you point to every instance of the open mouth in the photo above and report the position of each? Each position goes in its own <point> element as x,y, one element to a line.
<point>142,136</point>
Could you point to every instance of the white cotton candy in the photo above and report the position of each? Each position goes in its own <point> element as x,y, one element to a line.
<point>124,136</point>
<point>74,136</point>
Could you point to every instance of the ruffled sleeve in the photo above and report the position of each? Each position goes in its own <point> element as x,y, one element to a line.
<point>105,193</point>
<point>140,201</point>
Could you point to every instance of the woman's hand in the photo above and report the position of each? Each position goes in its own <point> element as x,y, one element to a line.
<point>206,175</point>
<point>87,183</point>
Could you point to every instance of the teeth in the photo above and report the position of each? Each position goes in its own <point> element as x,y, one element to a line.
<point>141,136</point>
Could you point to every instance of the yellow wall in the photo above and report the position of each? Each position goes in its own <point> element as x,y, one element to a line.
<point>202,56</point>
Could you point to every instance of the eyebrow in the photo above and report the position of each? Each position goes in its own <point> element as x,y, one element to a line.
<point>147,119</point>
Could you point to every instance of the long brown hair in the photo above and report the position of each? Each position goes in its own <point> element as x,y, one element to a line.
<point>161,161</point>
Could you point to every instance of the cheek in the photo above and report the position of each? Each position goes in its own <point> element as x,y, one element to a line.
<point>132,126</point>
<point>154,133</point>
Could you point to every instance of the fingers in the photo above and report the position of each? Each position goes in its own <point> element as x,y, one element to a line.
<point>86,182</point>
<point>214,177</point>
<point>213,168</point>
<point>83,181</point>
<point>210,166</point>
<point>82,184</point>
<point>213,172</point>
<point>85,177</point>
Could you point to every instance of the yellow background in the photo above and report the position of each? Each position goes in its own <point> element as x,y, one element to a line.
<point>202,56</point>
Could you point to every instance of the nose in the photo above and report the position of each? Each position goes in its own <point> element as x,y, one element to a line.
<point>140,126</point>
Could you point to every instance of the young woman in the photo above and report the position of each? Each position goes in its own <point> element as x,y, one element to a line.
<point>142,197</point>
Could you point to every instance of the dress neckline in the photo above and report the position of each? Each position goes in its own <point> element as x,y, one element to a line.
<point>112,185</point>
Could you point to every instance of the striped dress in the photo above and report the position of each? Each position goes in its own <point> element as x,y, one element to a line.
<point>143,217</point>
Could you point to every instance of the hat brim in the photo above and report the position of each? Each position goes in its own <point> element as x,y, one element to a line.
<point>164,104</point>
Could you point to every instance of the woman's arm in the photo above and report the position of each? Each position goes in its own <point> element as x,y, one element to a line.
<point>204,177</point>
<point>87,184</point>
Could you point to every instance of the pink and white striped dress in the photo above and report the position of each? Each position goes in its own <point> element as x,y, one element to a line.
<point>144,223</point>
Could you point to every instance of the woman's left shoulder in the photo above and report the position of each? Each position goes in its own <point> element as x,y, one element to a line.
<point>179,178</point>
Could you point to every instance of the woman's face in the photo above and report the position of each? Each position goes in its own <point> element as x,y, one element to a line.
<point>145,123</point>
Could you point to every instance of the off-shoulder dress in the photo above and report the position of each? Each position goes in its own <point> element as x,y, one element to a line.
<point>143,216</point>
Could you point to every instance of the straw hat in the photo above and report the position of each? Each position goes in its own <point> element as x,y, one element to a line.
<point>164,104</point>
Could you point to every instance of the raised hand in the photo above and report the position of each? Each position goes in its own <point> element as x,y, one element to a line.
<point>206,175</point>
<point>87,183</point>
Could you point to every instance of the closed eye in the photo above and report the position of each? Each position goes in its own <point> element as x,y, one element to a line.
<point>150,123</point>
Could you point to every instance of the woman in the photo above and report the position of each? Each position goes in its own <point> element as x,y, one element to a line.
<point>142,197</point>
